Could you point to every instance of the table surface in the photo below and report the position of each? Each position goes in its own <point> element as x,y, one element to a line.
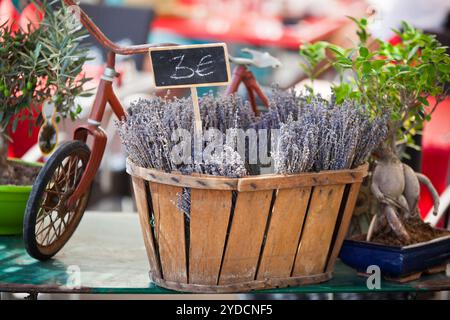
<point>108,250</point>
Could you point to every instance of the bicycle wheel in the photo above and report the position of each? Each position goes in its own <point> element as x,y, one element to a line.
<point>48,223</point>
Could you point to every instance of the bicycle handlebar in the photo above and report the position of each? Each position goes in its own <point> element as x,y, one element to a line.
<point>95,31</point>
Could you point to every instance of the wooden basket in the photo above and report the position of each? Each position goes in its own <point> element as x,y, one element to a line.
<point>247,233</point>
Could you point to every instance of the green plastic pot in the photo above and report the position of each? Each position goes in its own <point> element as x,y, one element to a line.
<point>13,200</point>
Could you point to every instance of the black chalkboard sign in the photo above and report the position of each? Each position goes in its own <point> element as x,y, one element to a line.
<point>190,66</point>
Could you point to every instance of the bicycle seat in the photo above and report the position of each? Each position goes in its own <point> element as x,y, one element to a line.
<point>103,40</point>
<point>259,59</point>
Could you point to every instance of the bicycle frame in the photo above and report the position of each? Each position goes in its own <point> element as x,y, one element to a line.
<point>105,94</point>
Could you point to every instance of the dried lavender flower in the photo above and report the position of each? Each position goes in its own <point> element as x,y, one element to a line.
<point>321,135</point>
<point>146,132</point>
<point>313,134</point>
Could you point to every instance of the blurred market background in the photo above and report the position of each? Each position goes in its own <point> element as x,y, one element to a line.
<point>276,26</point>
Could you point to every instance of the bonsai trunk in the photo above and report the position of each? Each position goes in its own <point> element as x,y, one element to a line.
<point>396,188</point>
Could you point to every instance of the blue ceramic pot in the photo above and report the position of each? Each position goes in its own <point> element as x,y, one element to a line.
<point>396,261</point>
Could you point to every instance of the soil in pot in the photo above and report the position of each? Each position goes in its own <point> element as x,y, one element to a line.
<point>15,187</point>
<point>19,174</point>
<point>418,230</point>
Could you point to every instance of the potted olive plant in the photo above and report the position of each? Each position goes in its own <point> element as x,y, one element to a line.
<point>394,80</point>
<point>38,64</point>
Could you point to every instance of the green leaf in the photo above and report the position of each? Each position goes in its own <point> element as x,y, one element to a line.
<point>366,67</point>
<point>37,51</point>
<point>423,101</point>
<point>412,53</point>
<point>15,123</point>
<point>355,95</point>
<point>363,52</point>
<point>395,116</point>
<point>342,92</point>
<point>337,50</point>
<point>378,64</point>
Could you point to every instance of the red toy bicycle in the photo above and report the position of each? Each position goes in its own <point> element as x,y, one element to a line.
<point>60,193</point>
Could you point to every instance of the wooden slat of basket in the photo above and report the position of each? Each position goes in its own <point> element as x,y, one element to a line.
<point>343,227</point>
<point>246,236</point>
<point>318,230</point>
<point>155,203</point>
<point>144,212</point>
<point>245,286</point>
<point>269,181</point>
<point>251,183</point>
<point>288,214</point>
<point>178,179</point>
<point>210,213</point>
<point>170,232</point>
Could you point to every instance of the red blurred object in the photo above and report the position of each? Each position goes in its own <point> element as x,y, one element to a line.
<point>436,153</point>
<point>22,138</point>
<point>395,40</point>
<point>30,15</point>
<point>290,37</point>
<point>9,14</point>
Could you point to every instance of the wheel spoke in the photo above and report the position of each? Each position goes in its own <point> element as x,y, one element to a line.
<point>47,208</point>
<point>55,179</point>
<point>43,229</point>
<point>53,191</point>
<point>68,172</point>
<point>77,173</point>
<point>47,234</point>
<point>60,225</point>
<point>63,220</point>
<point>62,180</point>
<point>57,174</point>
<point>54,233</point>
<point>61,177</point>
<point>41,213</point>
<point>41,219</point>
<point>57,233</point>
<point>52,222</point>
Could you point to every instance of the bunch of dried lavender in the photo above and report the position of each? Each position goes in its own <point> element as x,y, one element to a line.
<point>297,145</point>
<point>371,134</point>
<point>282,105</point>
<point>340,133</point>
<point>314,134</point>
<point>147,130</point>
<point>321,135</point>
<point>225,112</point>
<point>146,136</point>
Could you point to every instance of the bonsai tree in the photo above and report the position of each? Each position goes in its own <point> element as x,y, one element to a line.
<point>393,80</point>
<point>37,64</point>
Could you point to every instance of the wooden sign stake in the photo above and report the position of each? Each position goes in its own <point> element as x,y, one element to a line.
<point>197,117</point>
